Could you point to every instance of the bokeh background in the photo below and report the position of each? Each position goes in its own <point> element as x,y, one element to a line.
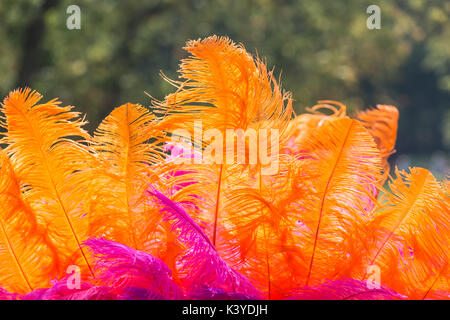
<point>321,49</point>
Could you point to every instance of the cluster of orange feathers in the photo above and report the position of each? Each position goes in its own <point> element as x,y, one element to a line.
<point>326,215</point>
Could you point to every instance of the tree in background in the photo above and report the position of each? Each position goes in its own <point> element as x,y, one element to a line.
<point>323,50</point>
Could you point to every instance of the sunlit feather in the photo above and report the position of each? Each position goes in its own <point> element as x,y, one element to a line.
<point>27,259</point>
<point>382,125</point>
<point>411,235</point>
<point>45,144</point>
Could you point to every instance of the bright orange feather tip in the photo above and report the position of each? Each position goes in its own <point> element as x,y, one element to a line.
<point>382,123</point>
<point>303,125</point>
<point>224,87</point>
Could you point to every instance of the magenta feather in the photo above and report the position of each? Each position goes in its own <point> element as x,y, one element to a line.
<point>122,268</point>
<point>6,295</point>
<point>121,273</point>
<point>208,293</point>
<point>201,264</point>
<point>89,292</point>
<point>347,289</point>
<point>134,293</point>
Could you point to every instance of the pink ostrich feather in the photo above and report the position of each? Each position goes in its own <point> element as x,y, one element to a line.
<point>132,272</point>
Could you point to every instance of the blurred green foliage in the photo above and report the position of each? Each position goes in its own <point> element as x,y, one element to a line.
<point>322,49</point>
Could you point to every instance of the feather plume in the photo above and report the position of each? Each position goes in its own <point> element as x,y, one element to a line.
<point>27,259</point>
<point>196,224</point>
<point>127,153</point>
<point>121,274</point>
<point>411,237</point>
<point>382,124</point>
<point>50,167</point>
<point>341,199</point>
<point>439,287</point>
<point>224,89</point>
<point>60,291</point>
<point>346,289</point>
<point>6,295</point>
<point>262,224</point>
<point>208,293</point>
<point>303,125</point>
